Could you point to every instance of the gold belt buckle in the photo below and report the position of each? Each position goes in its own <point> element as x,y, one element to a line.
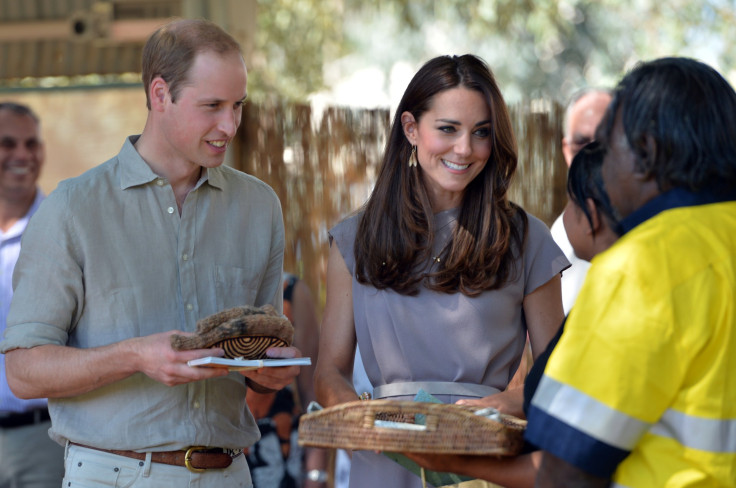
<point>188,458</point>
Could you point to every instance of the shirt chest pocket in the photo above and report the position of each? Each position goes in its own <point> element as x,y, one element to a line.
<point>236,286</point>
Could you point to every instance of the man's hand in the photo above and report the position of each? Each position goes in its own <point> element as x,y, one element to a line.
<point>274,378</point>
<point>53,371</point>
<point>157,360</point>
<point>518,471</point>
<point>446,463</point>
<point>557,473</point>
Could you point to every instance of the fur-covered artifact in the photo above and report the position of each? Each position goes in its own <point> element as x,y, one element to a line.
<point>245,332</point>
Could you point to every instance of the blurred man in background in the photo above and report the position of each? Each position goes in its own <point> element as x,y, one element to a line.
<point>28,456</point>
<point>584,111</point>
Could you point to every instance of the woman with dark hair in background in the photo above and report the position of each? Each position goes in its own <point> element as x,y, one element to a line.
<point>439,276</point>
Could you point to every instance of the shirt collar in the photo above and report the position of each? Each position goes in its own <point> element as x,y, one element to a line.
<point>675,198</point>
<point>135,171</point>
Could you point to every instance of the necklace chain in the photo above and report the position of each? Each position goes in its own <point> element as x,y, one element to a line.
<point>435,259</point>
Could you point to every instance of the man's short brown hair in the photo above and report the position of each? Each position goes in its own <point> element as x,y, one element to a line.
<point>170,51</point>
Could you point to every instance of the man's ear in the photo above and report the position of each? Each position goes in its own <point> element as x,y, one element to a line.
<point>567,151</point>
<point>158,91</point>
<point>409,124</point>
<point>595,218</point>
<point>647,159</point>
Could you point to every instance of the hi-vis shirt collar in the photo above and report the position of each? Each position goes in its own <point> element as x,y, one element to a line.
<point>675,198</point>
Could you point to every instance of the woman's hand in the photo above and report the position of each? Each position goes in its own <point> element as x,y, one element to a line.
<point>510,402</point>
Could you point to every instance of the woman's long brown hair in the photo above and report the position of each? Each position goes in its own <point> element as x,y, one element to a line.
<point>396,230</point>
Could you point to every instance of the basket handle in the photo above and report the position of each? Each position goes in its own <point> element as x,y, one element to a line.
<point>370,421</point>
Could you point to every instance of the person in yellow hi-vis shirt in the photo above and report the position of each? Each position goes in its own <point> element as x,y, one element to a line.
<point>640,391</point>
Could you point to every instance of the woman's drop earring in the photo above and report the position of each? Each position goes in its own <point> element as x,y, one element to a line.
<point>413,157</point>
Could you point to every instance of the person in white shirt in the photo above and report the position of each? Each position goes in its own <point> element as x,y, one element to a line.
<point>584,111</point>
<point>25,444</point>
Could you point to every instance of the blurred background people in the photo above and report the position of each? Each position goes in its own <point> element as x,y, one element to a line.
<point>276,460</point>
<point>583,113</point>
<point>28,456</point>
<point>439,276</point>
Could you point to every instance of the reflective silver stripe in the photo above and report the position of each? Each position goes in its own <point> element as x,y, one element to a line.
<point>710,435</point>
<point>433,388</point>
<point>588,415</point>
<point>617,485</point>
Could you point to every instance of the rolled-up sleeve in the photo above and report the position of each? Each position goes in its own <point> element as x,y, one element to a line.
<point>47,282</point>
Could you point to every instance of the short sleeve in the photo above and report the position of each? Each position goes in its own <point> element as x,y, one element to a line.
<point>344,235</point>
<point>542,257</point>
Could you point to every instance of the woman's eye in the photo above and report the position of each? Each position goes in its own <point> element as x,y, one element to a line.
<point>447,128</point>
<point>483,132</point>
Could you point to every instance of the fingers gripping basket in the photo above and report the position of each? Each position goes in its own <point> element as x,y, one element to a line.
<point>407,426</point>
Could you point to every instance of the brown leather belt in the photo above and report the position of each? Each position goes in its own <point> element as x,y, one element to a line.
<point>195,458</point>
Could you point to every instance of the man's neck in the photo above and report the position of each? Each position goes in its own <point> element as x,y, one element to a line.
<point>183,185</point>
<point>14,207</point>
<point>182,177</point>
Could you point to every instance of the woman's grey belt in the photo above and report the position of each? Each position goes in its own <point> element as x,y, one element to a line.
<point>433,388</point>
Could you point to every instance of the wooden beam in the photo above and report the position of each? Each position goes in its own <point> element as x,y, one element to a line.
<point>34,31</point>
<point>134,30</point>
<point>121,31</point>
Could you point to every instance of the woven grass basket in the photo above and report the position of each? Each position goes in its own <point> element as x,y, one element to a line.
<point>407,426</point>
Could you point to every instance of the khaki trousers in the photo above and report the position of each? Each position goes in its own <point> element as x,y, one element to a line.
<point>89,467</point>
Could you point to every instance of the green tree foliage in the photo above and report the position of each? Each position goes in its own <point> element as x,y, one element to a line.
<point>537,48</point>
<point>293,40</point>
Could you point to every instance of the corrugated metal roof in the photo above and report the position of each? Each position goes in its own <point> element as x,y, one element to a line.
<point>40,38</point>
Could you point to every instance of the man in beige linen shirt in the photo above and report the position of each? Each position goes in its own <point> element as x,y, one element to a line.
<point>134,250</point>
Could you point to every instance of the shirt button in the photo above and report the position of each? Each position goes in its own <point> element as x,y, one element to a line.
<point>196,404</point>
<point>190,306</point>
<point>185,257</point>
<point>170,210</point>
<point>160,182</point>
